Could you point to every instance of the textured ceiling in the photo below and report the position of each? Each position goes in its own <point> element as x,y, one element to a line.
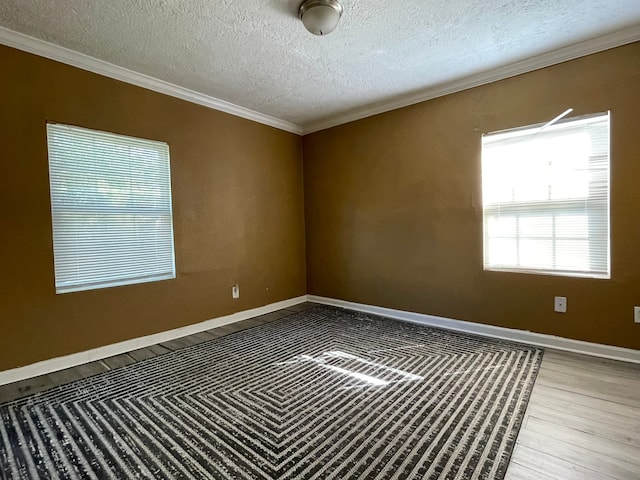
<point>257,54</point>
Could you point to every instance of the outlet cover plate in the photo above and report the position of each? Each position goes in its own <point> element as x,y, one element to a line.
<point>560,304</point>
<point>235,291</point>
<point>636,314</point>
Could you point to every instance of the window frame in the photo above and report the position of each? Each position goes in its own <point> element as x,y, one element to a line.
<point>551,208</point>
<point>97,209</point>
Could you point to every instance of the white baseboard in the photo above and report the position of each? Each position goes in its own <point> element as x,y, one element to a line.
<point>75,359</point>
<point>522,336</point>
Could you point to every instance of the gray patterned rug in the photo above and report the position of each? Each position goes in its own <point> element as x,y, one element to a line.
<point>324,393</point>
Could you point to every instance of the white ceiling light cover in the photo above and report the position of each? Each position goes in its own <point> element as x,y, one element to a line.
<point>320,17</point>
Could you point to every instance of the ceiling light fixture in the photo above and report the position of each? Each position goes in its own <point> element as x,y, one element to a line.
<point>320,17</point>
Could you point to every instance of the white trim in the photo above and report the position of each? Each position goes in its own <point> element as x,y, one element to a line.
<point>60,363</point>
<point>64,55</point>
<point>564,54</point>
<point>85,62</point>
<point>522,336</point>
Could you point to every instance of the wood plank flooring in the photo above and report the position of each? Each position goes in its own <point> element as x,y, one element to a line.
<point>33,385</point>
<point>583,420</point>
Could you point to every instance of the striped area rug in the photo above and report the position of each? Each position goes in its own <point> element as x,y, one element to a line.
<point>321,394</point>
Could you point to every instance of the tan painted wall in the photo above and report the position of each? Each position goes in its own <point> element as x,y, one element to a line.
<point>237,200</point>
<point>393,209</point>
<point>394,214</point>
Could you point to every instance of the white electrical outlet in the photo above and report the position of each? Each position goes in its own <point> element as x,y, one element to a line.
<point>560,304</point>
<point>636,314</point>
<point>235,291</point>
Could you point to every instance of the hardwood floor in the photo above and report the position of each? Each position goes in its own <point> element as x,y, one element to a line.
<point>583,420</point>
<point>33,385</point>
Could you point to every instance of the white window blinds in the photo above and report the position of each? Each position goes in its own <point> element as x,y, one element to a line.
<point>111,209</point>
<point>546,198</point>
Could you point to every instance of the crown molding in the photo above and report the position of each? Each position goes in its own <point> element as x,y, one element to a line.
<point>564,54</point>
<point>64,55</point>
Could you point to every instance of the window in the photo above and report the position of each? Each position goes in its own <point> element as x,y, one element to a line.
<point>111,209</point>
<point>546,198</point>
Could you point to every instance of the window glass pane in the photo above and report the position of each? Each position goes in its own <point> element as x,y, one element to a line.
<point>531,175</point>
<point>569,167</point>
<point>503,251</point>
<point>536,254</point>
<point>536,226</point>
<point>572,226</point>
<point>499,226</point>
<point>573,254</point>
